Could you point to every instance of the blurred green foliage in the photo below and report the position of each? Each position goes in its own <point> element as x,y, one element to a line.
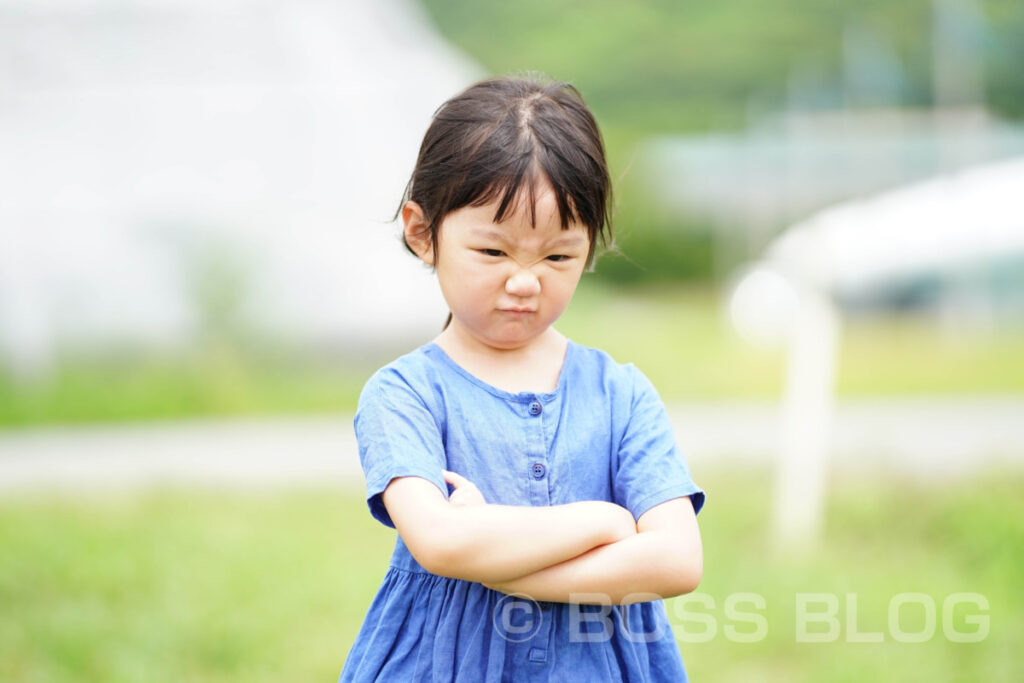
<point>656,67</point>
<point>679,335</point>
<point>651,246</point>
<point>211,586</point>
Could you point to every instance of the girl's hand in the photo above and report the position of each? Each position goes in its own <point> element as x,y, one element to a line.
<point>465,493</point>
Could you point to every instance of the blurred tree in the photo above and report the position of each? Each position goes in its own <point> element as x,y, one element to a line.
<point>654,66</point>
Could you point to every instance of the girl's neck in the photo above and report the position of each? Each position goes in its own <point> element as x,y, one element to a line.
<point>534,368</point>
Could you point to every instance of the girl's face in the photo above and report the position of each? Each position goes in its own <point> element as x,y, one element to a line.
<point>507,282</point>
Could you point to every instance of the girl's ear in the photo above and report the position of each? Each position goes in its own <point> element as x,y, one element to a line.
<point>417,233</point>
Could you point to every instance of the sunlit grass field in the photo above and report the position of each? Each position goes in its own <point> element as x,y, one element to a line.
<point>678,335</point>
<point>205,585</point>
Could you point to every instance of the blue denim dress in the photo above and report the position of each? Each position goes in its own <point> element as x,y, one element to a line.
<point>601,435</point>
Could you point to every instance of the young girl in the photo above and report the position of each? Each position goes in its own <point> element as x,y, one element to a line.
<point>571,511</point>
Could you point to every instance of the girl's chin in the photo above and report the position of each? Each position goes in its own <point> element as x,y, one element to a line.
<point>509,341</point>
<point>508,336</point>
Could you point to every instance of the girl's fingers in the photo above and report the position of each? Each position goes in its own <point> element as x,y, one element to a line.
<point>466,492</point>
<point>455,479</point>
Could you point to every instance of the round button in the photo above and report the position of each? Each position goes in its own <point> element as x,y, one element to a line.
<point>538,470</point>
<point>536,408</point>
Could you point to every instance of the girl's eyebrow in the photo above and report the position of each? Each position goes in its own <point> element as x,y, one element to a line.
<point>490,234</point>
<point>569,241</point>
<point>565,241</point>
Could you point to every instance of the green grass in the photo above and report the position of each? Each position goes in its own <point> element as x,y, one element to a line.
<point>205,585</point>
<point>882,538</point>
<point>678,335</point>
<point>181,585</point>
<point>111,387</point>
<point>682,338</point>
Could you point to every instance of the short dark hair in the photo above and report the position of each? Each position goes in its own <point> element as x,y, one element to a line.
<point>503,135</point>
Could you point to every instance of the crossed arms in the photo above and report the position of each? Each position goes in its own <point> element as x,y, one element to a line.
<point>548,553</point>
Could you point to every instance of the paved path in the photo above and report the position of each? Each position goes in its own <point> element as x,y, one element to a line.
<point>922,437</point>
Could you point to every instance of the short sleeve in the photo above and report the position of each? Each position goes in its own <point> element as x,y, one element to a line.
<point>398,437</point>
<point>651,468</point>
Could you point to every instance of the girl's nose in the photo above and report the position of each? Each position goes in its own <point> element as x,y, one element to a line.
<point>523,283</point>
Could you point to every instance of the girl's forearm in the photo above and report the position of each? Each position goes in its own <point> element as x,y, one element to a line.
<point>494,543</point>
<point>644,567</point>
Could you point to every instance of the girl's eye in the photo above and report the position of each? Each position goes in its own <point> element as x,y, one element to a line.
<point>558,257</point>
<point>493,252</point>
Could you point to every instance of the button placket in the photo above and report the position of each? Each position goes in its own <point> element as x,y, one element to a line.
<point>536,465</point>
<point>539,485</point>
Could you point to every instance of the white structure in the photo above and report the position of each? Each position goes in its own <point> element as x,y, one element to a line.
<point>797,163</point>
<point>150,149</point>
<point>955,224</point>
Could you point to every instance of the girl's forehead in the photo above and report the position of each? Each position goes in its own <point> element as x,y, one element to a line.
<point>542,224</point>
<point>536,203</point>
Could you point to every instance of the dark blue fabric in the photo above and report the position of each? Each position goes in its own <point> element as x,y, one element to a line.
<point>601,435</point>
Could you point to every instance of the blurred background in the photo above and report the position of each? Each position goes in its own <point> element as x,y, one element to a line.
<point>819,262</point>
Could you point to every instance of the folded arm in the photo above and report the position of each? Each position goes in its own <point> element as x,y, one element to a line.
<point>663,560</point>
<point>492,543</point>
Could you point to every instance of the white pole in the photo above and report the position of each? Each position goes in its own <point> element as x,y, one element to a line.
<point>806,417</point>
